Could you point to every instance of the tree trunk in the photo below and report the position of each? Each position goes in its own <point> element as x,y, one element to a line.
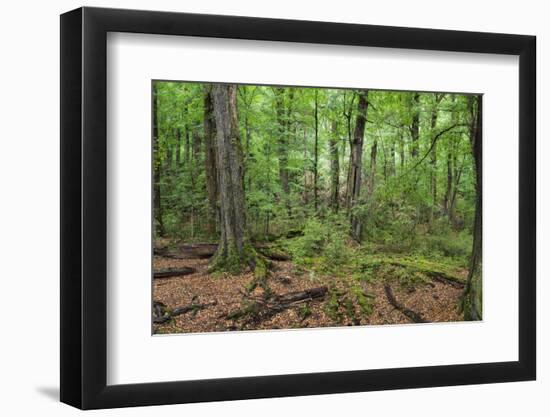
<point>448,192</point>
<point>392,156</point>
<point>472,297</point>
<point>334,167</point>
<point>282,142</point>
<point>305,194</point>
<point>316,156</point>
<point>210,161</point>
<point>372,173</point>
<point>415,125</point>
<point>401,150</point>
<point>356,162</point>
<point>233,253</point>
<point>433,166</point>
<point>187,145</point>
<point>159,225</point>
<point>177,134</point>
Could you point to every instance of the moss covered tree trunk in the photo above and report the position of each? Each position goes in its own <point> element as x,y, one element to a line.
<point>159,225</point>
<point>233,254</point>
<point>356,163</point>
<point>472,297</point>
<point>210,163</point>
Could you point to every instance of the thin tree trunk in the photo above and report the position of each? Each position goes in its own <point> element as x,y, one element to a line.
<point>177,134</point>
<point>156,168</point>
<point>433,165</point>
<point>233,253</point>
<point>392,156</point>
<point>282,141</point>
<point>356,162</point>
<point>372,173</point>
<point>415,125</point>
<point>187,147</point>
<point>210,161</point>
<point>334,167</point>
<point>305,193</point>
<point>316,156</point>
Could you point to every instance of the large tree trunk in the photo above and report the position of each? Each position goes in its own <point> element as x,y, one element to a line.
<point>356,162</point>
<point>334,167</point>
<point>159,225</point>
<point>210,161</point>
<point>472,297</point>
<point>233,254</point>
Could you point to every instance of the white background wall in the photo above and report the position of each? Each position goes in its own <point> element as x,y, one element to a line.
<point>29,225</point>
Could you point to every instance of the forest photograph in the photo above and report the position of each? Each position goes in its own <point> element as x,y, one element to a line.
<point>278,207</point>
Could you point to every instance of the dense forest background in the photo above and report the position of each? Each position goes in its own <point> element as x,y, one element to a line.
<point>327,176</point>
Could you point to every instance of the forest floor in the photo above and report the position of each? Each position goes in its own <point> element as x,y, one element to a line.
<point>432,295</point>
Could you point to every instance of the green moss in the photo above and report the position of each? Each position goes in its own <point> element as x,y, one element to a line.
<point>408,270</point>
<point>232,261</point>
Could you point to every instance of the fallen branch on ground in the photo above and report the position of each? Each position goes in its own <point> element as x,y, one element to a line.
<point>415,317</point>
<point>161,314</point>
<point>173,272</point>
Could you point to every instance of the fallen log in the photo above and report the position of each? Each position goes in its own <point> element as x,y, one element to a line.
<point>162,314</point>
<point>308,294</point>
<point>415,317</point>
<point>189,251</point>
<point>173,272</point>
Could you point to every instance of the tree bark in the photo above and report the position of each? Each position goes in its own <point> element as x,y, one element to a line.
<point>233,253</point>
<point>334,167</point>
<point>356,162</point>
<point>472,297</point>
<point>433,164</point>
<point>415,125</point>
<point>210,161</point>
<point>282,142</point>
<point>159,229</point>
<point>316,156</point>
<point>372,173</point>
<point>177,134</point>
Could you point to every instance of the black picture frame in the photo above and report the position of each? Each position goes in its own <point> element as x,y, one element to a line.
<point>84,207</point>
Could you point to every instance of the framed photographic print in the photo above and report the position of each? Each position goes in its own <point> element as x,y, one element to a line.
<point>256,207</point>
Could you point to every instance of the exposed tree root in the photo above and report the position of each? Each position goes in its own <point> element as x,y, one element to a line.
<point>415,317</point>
<point>256,309</point>
<point>173,272</point>
<point>162,314</point>
<point>445,280</point>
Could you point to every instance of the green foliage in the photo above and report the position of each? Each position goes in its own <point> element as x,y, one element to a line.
<point>407,186</point>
